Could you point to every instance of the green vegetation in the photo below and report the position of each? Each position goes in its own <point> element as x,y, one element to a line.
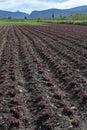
<point>73,19</point>
<point>79,22</point>
<point>8,22</point>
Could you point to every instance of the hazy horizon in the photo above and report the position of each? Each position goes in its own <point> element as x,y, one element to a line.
<point>29,6</point>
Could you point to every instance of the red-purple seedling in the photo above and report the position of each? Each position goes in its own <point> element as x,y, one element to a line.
<point>11,68</point>
<point>50,83</point>
<point>2,81</point>
<point>12,92</point>
<point>63,74</point>
<point>75,122</point>
<point>11,72</point>
<point>57,68</point>
<point>45,113</point>
<point>61,102</point>
<point>29,76</point>
<point>66,79</point>
<point>83,81</point>
<point>57,95</point>
<point>11,85</point>
<point>1,99</point>
<point>50,125</point>
<point>34,59</point>
<point>2,76</point>
<point>12,76</point>
<point>38,98</point>
<point>14,122</point>
<point>60,71</point>
<point>68,110</point>
<point>52,61</point>
<point>1,92</point>
<point>15,111</point>
<point>42,104</point>
<point>28,68</point>
<point>84,95</point>
<point>53,88</point>
<point>3,70</point>
<point>56,65</point>
<point>14,100</point>
<point>45,78</point>
<point>40,70</point>
<point>73,83</point>
<point>77,90</point>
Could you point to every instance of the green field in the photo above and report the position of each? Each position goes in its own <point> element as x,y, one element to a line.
<point>79,22</point>
<point>20,22</point>
<point>40,22</point>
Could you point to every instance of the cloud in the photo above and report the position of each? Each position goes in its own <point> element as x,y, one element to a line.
<point>30,5</point>
<point>9,4</point>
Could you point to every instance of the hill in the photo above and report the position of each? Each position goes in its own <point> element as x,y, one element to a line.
<point>15,15</point>
<point>58,12</point>
<point>44,13</point>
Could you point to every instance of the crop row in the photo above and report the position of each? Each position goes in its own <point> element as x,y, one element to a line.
<point>43,77</point>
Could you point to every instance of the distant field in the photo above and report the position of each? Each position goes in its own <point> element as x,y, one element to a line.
<point>20,22</point>
<point>80,22</point>
<point>40,22</point>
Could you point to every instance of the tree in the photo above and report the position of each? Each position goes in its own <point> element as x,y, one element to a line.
<point>9,17</point>
<point>53,16</point>
<point>25,17</point>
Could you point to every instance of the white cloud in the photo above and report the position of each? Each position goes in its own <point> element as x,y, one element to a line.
<point>9,4</point>
<point>30,5</point>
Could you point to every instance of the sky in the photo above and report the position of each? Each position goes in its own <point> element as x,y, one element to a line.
<point>30,5</point>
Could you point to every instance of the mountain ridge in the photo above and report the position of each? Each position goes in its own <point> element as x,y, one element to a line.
<point>14,15</point>
<point>44,13</point>
<point>58,12</point>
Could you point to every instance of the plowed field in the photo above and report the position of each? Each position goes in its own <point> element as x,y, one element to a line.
<point>43,77</point>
